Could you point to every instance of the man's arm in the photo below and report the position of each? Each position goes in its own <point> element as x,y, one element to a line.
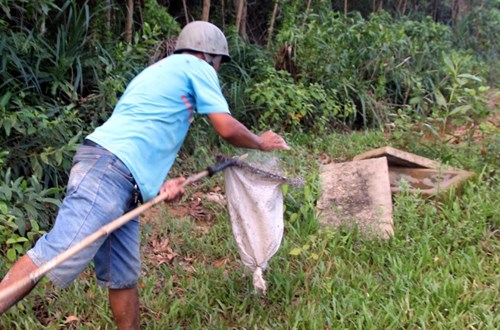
<point>238,135</point>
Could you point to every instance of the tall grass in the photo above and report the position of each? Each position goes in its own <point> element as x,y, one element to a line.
<point>439,271</point>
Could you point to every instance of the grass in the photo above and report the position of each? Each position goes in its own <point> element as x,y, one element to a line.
<point>439,271</point>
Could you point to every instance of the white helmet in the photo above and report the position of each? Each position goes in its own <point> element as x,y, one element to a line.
<point>203,37</point>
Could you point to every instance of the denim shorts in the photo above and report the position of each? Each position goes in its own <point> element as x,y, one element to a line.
<point>100,189</point>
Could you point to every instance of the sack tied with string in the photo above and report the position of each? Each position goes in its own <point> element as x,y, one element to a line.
<point>255,204</point>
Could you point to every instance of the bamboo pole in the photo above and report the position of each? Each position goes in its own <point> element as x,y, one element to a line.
<point>32,278</point>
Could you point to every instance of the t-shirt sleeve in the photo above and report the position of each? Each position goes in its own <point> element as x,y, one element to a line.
<point>207,91</point>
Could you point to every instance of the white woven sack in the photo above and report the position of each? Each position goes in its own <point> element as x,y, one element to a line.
<point>255,204</point>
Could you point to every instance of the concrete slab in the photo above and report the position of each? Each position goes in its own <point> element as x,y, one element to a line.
<point>400,158</point>
<point>357,194</point>
<point>420,174</point>
<point>426,180</point>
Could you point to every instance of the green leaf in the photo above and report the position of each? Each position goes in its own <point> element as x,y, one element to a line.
<point>21,226</point>
<point>7,126</point>
<point>461,109</point>
<point>7,193</point>
<point>295,252</point>
<point>59,157</point>
<point>416,100</point>
<point>469,76</point>
<point>284,189</point>
<point>10,241</point>
<point>5,99</point>
<point>11,254</point>
<point>37,167</point>
<point>44,158</point>
<point>34,225</point>
<point>16,240</point>
<point>448,63</point>
<point>307,193</point>
<point>3,207</point>
<point>75,138</point>
<point>13,119</point>
<point>440,100</point>
<point>30,209</point>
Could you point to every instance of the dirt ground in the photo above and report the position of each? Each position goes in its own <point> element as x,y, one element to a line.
<point>157,250</point>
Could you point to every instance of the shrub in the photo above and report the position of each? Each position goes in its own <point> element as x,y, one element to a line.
<point>25,208</point>
<point>285,105</point>
<point>373,65</point>
<point>478,31</point>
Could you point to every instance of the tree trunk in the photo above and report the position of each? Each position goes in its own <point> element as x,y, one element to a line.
<point>403,10</point>
<point>271,24</point>
<point>206,10</point>
<point>460,9</point>
<point>129,21</point>
<point>108,15</point>
<point>223,9</point>
<point>241,17</point>
<point>435,9</point>
<point>139,7</point>
<point>376,7</point>
<point>345,7</point>
<point>185,11</point>
<point>243,30</point>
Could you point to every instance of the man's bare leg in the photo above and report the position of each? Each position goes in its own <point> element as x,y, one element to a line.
<point>21,268</point>
<point>125,306</point>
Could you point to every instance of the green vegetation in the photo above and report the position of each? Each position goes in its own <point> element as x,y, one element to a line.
<point>437,272</point>
<point>334,84</point>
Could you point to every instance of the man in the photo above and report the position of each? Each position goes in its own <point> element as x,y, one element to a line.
<point>127,159</point>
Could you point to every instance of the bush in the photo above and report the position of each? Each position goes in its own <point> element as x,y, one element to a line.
<point>479,31</point>
<point>58,84</point>
<point>287,106</point>
<point>374,66</point>
<point>25,208</point>
<point>240,74</point>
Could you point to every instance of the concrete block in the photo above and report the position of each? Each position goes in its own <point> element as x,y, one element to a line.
<point>418,173</point>
<point>426,181</point>
<point>396,157</point>
<point>357,193</point>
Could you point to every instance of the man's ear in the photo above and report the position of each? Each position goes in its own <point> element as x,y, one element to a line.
<point>213,60</point>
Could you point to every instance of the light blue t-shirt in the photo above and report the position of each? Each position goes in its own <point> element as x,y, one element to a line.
<point>151,120</point>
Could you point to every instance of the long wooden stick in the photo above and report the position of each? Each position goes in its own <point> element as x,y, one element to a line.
<point>36,275</point>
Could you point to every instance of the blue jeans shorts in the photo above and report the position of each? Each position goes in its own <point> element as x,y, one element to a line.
<point>100,189</point>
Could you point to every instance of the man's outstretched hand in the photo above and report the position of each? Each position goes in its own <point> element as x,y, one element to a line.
<point>271,141</point>
<point>174,188</point>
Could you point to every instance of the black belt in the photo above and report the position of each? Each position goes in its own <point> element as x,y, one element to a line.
<point>90,143</point>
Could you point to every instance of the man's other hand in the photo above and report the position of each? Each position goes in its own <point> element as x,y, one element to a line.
<point>174,188</point>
